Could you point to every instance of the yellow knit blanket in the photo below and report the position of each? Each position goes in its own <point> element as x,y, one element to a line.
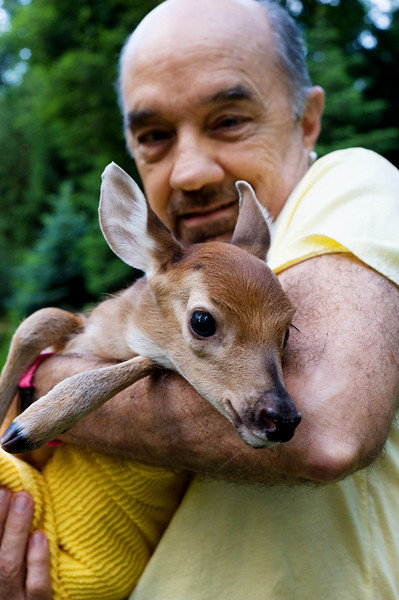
<point>103,517</point>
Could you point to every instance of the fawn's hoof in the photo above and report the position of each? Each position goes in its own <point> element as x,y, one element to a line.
<point>14,441</point>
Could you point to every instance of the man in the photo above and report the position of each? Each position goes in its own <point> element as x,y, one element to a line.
<point>211,94</point>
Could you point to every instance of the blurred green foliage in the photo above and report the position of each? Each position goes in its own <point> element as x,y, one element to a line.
<point>349,57</point>
<point>60,126</point>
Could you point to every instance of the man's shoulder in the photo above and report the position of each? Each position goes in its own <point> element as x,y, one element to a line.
<point>346,176</point>
<point>360,160</point>
<point>346,203</point>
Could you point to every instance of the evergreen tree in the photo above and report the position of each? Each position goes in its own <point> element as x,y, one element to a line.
<point>358,108</point>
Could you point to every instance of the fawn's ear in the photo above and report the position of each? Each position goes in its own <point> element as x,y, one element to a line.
<point>252,230</point>
<point>130,226</point>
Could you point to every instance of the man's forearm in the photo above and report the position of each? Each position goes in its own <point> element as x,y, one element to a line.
<point>332,372</point>
<point>161,420</point>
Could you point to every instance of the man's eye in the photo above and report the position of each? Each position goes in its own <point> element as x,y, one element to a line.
<point>230,122</point>
<point>155,136</point>
<point>230,127</point>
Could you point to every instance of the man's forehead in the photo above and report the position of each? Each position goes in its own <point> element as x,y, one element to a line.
<point>218,67</point>
<point>200,63</point>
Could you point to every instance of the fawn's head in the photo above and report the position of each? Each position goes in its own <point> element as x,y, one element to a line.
<point>223,318</point>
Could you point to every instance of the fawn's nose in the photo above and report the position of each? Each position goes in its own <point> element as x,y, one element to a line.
<point>271,419</point>
<point>278,424</point>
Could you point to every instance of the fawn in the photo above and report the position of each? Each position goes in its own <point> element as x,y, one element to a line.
<point>213,312</point>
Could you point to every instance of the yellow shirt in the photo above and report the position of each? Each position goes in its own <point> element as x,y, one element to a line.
<point>337,542</point>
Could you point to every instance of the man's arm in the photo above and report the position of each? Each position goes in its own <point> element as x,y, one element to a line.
<point>341,369</point>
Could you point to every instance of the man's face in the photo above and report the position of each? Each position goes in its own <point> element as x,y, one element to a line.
<point>202,112</point>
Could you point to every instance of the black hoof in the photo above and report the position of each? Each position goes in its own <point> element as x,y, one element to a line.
<point>14,441</point>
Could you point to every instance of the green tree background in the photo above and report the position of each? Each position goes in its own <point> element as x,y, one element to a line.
<point>60,126</point>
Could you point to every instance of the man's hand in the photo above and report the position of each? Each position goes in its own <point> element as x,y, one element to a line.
<point>24,557</point>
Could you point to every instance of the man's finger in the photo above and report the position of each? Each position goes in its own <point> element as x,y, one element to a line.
<point>5,497</point>
<point>38,583</point>
<point>16,533</point>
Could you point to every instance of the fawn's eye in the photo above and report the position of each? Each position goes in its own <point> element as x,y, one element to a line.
<point>202,323</point>
<point>287,335</point>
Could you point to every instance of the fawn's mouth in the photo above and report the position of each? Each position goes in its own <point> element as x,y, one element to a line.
<point>255,439</point>
<point>262,428</point>
<point>247,434</point>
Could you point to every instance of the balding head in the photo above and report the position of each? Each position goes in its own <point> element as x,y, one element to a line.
<point>264,24</point>
<point>174,19</point>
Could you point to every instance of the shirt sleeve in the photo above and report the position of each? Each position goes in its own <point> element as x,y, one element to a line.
<point>347,202</point>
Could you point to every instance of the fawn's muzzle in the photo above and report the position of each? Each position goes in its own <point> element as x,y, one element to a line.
<point>278,425</point>
<point>271,419</point>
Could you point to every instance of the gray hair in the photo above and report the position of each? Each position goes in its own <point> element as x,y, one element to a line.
<point>290,49</point>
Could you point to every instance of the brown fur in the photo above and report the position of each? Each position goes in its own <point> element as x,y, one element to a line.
<point>237,368</point>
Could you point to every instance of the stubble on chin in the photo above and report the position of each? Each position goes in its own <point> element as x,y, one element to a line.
<point>183,204</point>
<point>221,232</point>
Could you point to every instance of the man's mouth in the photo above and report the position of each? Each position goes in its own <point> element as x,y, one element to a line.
<point>198,218</point>
<point>204,215</point>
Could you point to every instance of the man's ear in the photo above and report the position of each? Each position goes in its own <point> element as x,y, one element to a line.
<point>311,117</point>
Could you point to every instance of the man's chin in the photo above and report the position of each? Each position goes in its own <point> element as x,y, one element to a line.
<point>220,230</point>
<point>189,237</point>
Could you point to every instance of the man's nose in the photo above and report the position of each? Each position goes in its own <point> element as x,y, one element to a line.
<point>194,164</point>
